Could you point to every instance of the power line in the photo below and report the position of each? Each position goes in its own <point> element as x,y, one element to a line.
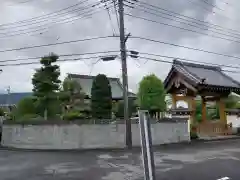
<point>182,28</point>
<point>58,43</point>
<point>54,16</point>
<point>186,23</point>
<point>200,22</point>
<point>141,57</point>
<point>48,25</point>
<point>44,29</point>
<point>193,61</point>
<point>186,47</point>
<point>170,62</point>
<point>105,52</point>
<point>61,55</point>
<point>60,60</point>
<point>116,13</point>
<point>110,19</point>
<point>39,17</point>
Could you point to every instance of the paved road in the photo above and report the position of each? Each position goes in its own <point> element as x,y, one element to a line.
<point>208,161</point>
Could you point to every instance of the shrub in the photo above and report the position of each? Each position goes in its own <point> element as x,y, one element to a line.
<point>193,132</point>
<point>193,135</point>
<point>2,112</point>
<point>26,106</point>
<point>29,118</point>
<point>132,108</point>
<point>73,115</point>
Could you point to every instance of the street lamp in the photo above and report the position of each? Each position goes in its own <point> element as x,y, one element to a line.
<point>109,58</point>
<point>134,54</point>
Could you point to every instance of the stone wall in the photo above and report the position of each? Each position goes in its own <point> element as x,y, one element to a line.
<point>88,136</point>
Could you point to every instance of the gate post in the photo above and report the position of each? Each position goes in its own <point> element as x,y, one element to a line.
<point>146,145</point>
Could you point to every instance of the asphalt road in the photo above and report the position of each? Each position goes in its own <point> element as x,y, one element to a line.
<point>203,161</point>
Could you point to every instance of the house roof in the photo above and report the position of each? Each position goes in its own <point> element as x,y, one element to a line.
<point>13,98</point>
<point>86,84</point>
<point>199,74</point>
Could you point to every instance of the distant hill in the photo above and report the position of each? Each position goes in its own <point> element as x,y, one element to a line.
<point>13,98</point>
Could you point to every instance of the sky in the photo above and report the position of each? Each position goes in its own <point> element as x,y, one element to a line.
<point>53,30</point>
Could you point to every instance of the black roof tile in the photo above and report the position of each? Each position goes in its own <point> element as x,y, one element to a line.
<point>86,84</point>
<point>213,75</point>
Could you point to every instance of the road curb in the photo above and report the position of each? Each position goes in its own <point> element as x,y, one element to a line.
<point>172,146</point>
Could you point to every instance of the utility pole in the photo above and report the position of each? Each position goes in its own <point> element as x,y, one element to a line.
<point>124,74</point>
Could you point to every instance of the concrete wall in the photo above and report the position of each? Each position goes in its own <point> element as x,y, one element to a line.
<point>235,120</point>
<point>89,136</point>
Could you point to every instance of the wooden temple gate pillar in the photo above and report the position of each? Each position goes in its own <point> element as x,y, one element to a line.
<point>204,110</point>
<point>190,100</point>
<point>222,110</point>
<point>192,104</point>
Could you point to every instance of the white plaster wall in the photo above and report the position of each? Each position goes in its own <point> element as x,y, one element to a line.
<point>234,119</point>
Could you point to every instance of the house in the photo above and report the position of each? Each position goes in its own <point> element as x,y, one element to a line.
<point>86,83</point>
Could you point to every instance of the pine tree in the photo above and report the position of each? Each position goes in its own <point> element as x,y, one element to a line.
<point>46,84</point>
<point>101,97</point>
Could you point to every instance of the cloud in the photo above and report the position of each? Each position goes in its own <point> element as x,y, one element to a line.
<point>19,78</point>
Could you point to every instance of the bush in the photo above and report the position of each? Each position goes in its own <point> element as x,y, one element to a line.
<point>193,132</point>
<point>73,115</point>
<point>132,108</point>
<point>26,106</point>
<point>29,118</point>
<point>2,112</point>
<point>25,119</point>
<point>193,135</point>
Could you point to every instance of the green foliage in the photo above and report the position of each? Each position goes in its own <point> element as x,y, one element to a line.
<point>193,135</point>
<point>29,117</point>
<point>151,94</point>
<point>193,132</point>
<point>214,113</point>
<point>132,108</point>
<point>231,102</point>
<point>71,86</point>
<point>198,113</point>
<point>2,112</point>
<point>72,96</point>
<point>238,105</point>
<point>46,83</point>
<point>24,119</point>
<point>26,106</point>
<point>101,97</point>
<point>73,115</point>
<point>115,105</point>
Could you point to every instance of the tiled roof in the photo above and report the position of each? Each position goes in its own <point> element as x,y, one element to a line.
<point>213,75</point>
<point>86,84</point>
<point>13,98</point>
